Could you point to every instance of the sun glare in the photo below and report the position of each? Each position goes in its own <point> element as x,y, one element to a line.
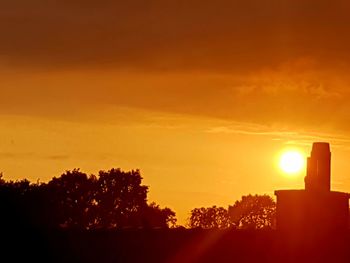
<point>291,162</point>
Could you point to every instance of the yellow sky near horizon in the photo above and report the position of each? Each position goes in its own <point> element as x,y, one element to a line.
<point>187,162</point>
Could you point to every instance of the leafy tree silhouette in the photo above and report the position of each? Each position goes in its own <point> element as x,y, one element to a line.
<point>73,199</point>
<point>114,199</point>
<point>211,217</point>
<point>120,198</point>
<point>253,211</point>
<point>156,217</point>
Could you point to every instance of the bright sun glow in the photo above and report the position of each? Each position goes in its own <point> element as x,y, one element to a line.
<point>291,162</point>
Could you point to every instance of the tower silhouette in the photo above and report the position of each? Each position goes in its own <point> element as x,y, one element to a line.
<point>318,175</point>
<point>316,209</point>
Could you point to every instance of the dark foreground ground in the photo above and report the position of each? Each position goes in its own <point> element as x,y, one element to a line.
<point>170,246</point>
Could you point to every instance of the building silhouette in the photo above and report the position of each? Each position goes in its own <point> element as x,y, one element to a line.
<point>317,209</point>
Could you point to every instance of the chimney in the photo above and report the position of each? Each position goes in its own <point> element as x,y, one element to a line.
<point>318,174</point>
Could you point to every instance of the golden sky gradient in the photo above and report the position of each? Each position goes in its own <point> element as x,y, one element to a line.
<point>201,97</point>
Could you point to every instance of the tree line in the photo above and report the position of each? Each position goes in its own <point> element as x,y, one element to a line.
<point>251,212</point>
<point>115,199</point>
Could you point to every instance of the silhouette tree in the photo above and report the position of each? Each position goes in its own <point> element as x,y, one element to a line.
<point>114,199</point>
<point>156,217</point>
<point>120,198</point>
<point>15,202</point>
<point>211,217</point>
<point>253,211</point>
<point>73,198</point>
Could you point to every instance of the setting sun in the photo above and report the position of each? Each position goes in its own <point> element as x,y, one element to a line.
<point>291,162</point>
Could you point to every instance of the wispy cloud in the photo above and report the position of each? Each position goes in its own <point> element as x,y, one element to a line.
<point>290,137</point>
<point>16,155</point>
<point>32,155</point>
<point>58,157</point>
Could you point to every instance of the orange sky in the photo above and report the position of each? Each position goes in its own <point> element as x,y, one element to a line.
<point>200,96</point>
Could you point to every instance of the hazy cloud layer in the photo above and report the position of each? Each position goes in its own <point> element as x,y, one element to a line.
<point>268,62</point>
<point>154,35</point>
